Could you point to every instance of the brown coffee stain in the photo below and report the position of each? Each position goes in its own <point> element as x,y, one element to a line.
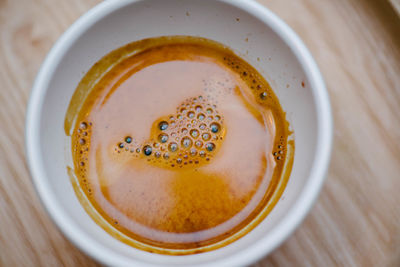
<point>197,198</point>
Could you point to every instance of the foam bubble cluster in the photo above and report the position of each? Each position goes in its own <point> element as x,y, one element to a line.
<point>190,137</point>
<point>82,144</point>
<point>280,150</point>
<point>252,79</point>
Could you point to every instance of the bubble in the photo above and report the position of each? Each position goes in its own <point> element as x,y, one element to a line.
<point>156,145</point>
<point>215,127</point>
<point>163,125</point>
<point>137,150</point>
<point>202,154</point>
<point>84,133</point>
<point>198,143</point>
<point>173,147</point>
<point>82,163</point>
<point>210,146</point>
<point>209,111</point>
<point>183,110</point>
<point>194,133</point>
<point>263,95</point>
<point>157,154</point>
<point>83,141</point>
<point>193,152</point>
<point>198,108</point>
<point>128,139</point>
<point>163,138</point>
<point>201,116</point>
<point>179,160</point>
<point>218,117</point>
<point>278,157</point>
<point>147,150</point>
<point>184,131</point>
<point>83,125</point>
<point>185,156</point>
<point>210,118</point>
<point>206,136</point>
<point>202,126</point>
<point>279,146</point>
<point>166,155</point>
<point>244,73</point>
<point>190,114</point>
<point>186,142</point>
<point>280,151</point>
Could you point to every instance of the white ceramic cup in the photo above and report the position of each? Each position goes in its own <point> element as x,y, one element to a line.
<point>255,34</point>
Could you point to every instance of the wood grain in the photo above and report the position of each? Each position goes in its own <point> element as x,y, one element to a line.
<point>356,221</point>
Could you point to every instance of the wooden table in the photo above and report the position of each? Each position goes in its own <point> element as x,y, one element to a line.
<point>356,221</point>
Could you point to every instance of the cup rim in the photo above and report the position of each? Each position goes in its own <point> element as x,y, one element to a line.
<point>258,249</point>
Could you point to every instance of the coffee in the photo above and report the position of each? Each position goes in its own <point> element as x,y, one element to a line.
<point>179,146</point>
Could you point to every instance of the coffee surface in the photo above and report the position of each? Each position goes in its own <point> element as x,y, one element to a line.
<point>177,142</point>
